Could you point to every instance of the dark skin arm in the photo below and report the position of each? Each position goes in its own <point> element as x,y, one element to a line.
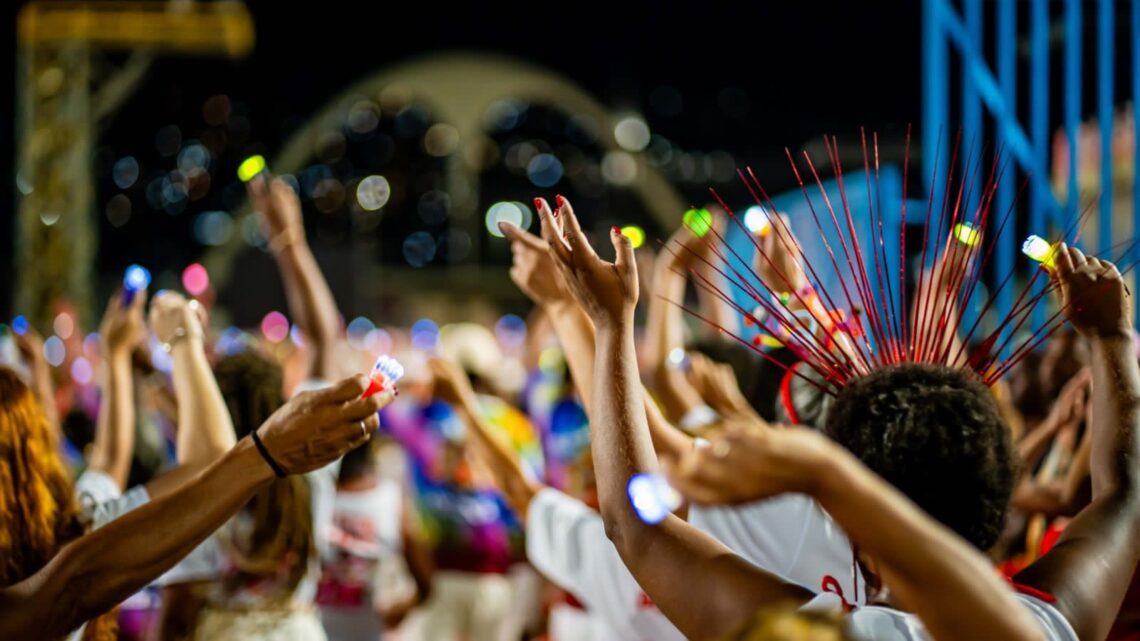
<point>705,604</point>
<point>100,569</point>
<point>311,302</point>
<point>1091,567</point>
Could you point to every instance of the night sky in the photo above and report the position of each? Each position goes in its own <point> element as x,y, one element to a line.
<point>750,81</point>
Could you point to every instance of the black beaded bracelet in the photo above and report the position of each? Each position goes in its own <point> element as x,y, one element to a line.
<point>265,455</point>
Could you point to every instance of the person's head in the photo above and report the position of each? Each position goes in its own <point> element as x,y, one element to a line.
<point>936,434</point>
<point>38,512</point>
<point>281,522</point>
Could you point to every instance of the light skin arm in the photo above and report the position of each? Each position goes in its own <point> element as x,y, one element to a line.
<point>311,302</point>
<point>452,385</point>
<point>930,571</point>
<point>31,346</point>
<point>121,330</point>
<point>104,567</point>
<point>534,271</point>
<point>1091,567</point>
<point>703,604</point>
<point>205,429</point>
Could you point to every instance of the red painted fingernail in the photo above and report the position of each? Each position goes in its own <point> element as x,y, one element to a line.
<point>615,230</point>
<point>555,212</point>
<point>560,200</point>
<point>538,203</point>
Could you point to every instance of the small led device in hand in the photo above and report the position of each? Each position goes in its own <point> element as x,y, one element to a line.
<point>652,497</point>
<point>135,279</point>
<point>1040,250</point>
<point>385,373</point>
<point>699,221</point>
<point>251,167</point>
<point>967,235</point>
<point>757,221</point>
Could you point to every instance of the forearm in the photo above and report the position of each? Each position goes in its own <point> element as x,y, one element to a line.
<point>501,460</point>
<point>45,391</point>
<point>205,429</point>
<point>311,302</point>
<point>1116,408</point>
<point>104,567</point>
<point>930,571</point>
<point>575,332</point>
<point>115,430</point>
<point>1031,448</point>
<point>665,332</point>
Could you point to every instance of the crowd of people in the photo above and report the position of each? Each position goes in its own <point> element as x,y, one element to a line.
<point>273,492</point>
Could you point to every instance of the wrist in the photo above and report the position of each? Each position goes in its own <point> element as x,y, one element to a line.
<point>613,322</point>
<point>833,473</point>
<point>245,454</point>
<point>1123,333</point>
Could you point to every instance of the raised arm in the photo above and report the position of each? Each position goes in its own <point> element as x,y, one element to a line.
<point>534,271</point>
<point>31,346</point>
<point>101,569</point>
<point>1091,567</point>
<point>702,587</point>
<point>311,302</point>
<point>121,330</point>
<point>930,571</point>
<point>452,385</point>
<point>205,430</point>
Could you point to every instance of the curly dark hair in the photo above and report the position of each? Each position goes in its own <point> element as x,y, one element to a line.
<point>936,434</point>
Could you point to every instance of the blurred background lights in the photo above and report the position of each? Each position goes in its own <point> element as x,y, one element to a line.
<point>652,497</point>
<point>419,248</point>
<point>378,341</point>
<point>296,335</point>
<point>193,156</point>
<point>91,344</point>
<point>631,133</point>
<point>136,278</point>
<point>619,168</point>
<point>635,234</point>
<point>159,357</point>
<point>118,210</point>
<point>699,221</point>
<point>81,371</point>
<point>511,331</point>
<point>363,117</point>
<point>125,172</point>
<point>54,351</point>
<point>441,140</point>
<point>544,170</point>
<point>275,327</point>
<point>516,214</point>
<point>373,192</point>
<point>425,334</point>
<point>213,228</point>
<point>505,115</point>
<point>20,325</point>
<point>357,332</point>
<point>195,279</point>
<point>63,325</point>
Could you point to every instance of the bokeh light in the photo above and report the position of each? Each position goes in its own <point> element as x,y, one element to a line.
<point>357,332</point>
<point>250,167</point>
<point>619,168</point>
<point>425,334</point>
<point>441,140</point>
<point>63,325</point>
<point>118,210</point>
<point>54,351</point>
<point>81,371</point>
<point>373,192</point>
<point>635,234</point>
<point>544,170</point>
<point>419,248</point>
<point>275,327</point>
<point>757,221</point>
<point>195,279</point>
<point>193,156</point>
<point>378,341</point>
<point>699,221</point>
<point>213,228</point>
<point>20,325</point>
<point>514,213</point>
<point>511,331</point>
<point>631,133</point>
<point>125,172</point>
<point>136,278</point>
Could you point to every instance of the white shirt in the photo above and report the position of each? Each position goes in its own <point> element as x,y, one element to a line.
<point>790,536</point>
<point>876,623</point>
<point>566,541</point>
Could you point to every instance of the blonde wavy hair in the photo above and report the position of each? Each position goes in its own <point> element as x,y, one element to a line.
<point>38,510</point>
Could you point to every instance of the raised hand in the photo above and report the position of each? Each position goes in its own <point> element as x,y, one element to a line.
<point>779,262</point>
<point>31,347</point>
<point>533,268</point>
<point>451,383</point>
<point>746,464</point>
<point>1093,293</point>
<point>606,291</point>
<point>122,328</point>
<point>277,206</point>
<point>316,428</point>
<point>171,316</point>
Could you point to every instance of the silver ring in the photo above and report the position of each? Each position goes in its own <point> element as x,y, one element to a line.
<point>363,430</point>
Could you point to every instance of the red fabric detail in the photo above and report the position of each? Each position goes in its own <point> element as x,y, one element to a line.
<point>786,394</point>
<point>1033,592</point>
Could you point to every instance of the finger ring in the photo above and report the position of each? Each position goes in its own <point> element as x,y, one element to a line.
<point>721,449</point>
<point>363,430</point>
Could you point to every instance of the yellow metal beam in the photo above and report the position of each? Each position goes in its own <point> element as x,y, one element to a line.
<point>200,27</point>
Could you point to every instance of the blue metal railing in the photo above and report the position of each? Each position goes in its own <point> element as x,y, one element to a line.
<point>947,31</point>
